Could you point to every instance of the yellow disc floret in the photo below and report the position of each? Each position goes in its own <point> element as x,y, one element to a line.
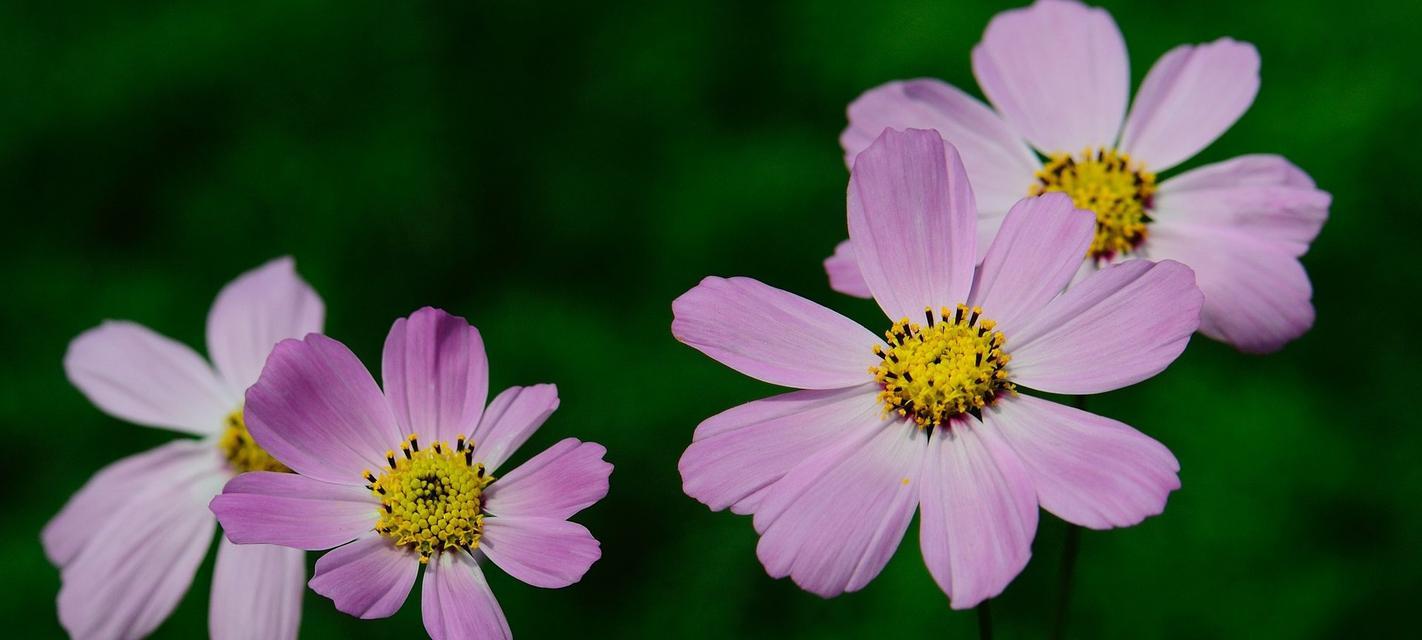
<point>1107,183</point>
<point>430,500</point>
<point>242,452</point>
<point>951,366</point>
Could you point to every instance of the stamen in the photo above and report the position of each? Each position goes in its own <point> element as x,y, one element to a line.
<point>956,366</point>
<point>432,500</point>
<point>1108,183</point>
<point>242,452</point>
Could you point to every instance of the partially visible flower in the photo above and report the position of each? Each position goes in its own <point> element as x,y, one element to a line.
<point>931,419</point>
<point>127,544</point>
<point>405,478</point>
<point>1057,72</point>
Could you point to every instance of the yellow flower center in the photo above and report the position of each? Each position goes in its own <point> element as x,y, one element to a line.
<point>952,365</point>
<point>430,499</point>
<point>1107,183</point>
<point>242,452</point>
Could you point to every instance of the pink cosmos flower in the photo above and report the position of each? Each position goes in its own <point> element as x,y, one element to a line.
<point>930,419</point>
<point>127,544</point>
<point>403,478</point>
<point>1058,75</point>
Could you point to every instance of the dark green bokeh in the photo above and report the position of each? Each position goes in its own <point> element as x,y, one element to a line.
<point>559,174</point>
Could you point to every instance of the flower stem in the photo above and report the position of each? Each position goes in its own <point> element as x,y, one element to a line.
<point>1068,570</point>
<point>984,621</point>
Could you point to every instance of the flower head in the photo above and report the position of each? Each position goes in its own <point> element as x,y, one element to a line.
<point>409,477</point>
<point>128,543</point>
<point>1057,74</point>
<point>930,417</point>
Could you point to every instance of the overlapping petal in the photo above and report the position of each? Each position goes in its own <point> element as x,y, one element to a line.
<point>1086,469</point>
<point>843,270</point>
<point>1188,99</point>
<point>318,411</point>
<point>369,578</point>
<point>263,507</point>
<point>1264,197</point>
<point>132,373</point>
<point>1034,256</point>
<point>253,313</point>
<point>511,418</point>
<point>912,221</point>
<point>1058,73</point>
<point>741,451</point>
<point>979,513</point>
<point>832,523</point>
<point>1120,325</point>
<point>773,335</point>
<point>436,375</point>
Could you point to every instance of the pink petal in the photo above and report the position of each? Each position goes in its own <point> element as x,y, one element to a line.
<point>999,164</point>
<point>1257,295</point>
<point>843,270</point>
<point>436,375</point>
<point>1121,325</point>
<point>256,592</point>
<point>1058,73</point>
<point>369,578</point>
<point>254,312</point>
<point>113,490</point>
<point>511,418</point>
<point>913,222</point>
<point>773,335</point>
<point>544,552</point>
<point>263,507</point>
<point>132,373</point>
<point>457,602</point>
<point>1189,98</point>
<point>1088,470</point>
<point>833,522</point>
<point>559,482</point>
<point>1263,197</point>
<point>318,411</point>
<point>127,583</point>
<point>979,513</point>
<point>739,452</point>
<point>1033,258</point>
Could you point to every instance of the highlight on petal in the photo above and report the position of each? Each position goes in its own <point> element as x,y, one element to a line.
<point>253,313</point>
<point>1258,297</point>
<point>256,592</point>
<point>369,578</point>
<point>998,162</point>
<point>1058,73</point>
<point>562,480</point>
<point>912,220</point>
<point>843,270</point>
<point>112,492</point>
<point>132,373</point>
<point>1192,95</point>
<point>318,411</point>
<point>544,552</point>
<point>511,418</point>
<point>835,520</point>
<point>1086,469</point>
<point>436,375</point>
<point>1263,197</point>
<point>739,453</point>
<point>456,600</point>
<point>1033,258</point>
<point>287,509</point>
<point>1120,325</point>
<point>773,335</point>
<point>979,513</point>
<point>143,561</point>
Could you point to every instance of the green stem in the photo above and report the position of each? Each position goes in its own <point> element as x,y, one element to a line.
<point>984,621</point>
<point>1068,569</point>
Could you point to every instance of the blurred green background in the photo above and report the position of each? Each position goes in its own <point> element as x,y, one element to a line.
<point>558,174</point>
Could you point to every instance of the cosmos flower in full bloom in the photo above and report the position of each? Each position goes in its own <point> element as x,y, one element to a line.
<point>128,543</point>
<point>1058,75</point>
<point>407,477</point>
<point>930,418</point>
